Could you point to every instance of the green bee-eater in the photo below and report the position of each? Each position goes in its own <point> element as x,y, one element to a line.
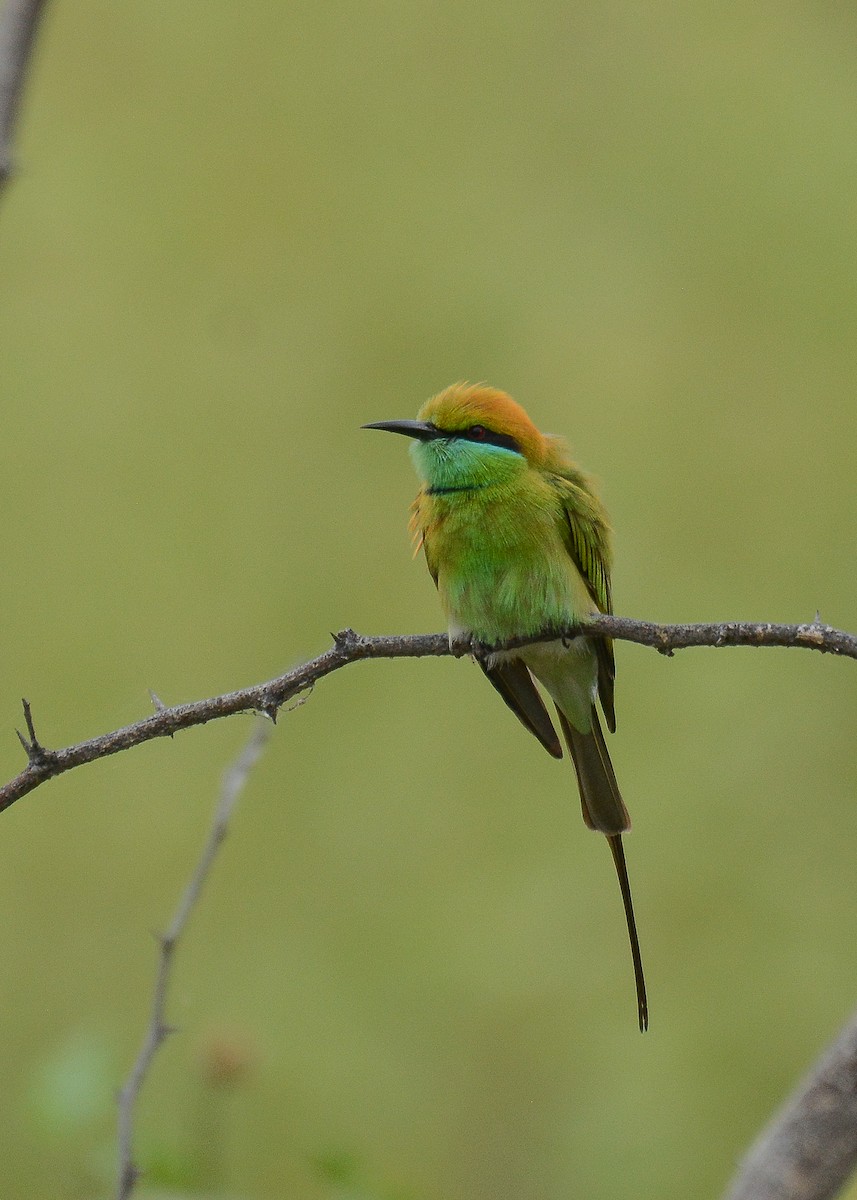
<point>519,544</point>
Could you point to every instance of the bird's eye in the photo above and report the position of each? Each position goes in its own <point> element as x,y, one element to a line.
<point>478,433</point>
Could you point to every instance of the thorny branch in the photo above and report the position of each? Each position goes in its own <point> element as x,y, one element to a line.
<point>158,1030</point>
<point>19,22</point>
<point>348,647</point>
<point>809,1149</point>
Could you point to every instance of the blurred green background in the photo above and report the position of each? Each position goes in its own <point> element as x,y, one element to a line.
<point>240,231</point>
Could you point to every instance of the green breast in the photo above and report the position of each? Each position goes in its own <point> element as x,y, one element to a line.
<point>503,569</point>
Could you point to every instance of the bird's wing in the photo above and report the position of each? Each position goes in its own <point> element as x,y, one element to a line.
<point>515,684</point>
<point>587,539</point>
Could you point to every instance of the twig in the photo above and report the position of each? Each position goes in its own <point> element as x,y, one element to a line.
<point>349,647</point>
<point>810,1147</point>
<point>19,22</point>
<point>158,1030</point>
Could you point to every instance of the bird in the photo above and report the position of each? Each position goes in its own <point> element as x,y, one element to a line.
<point>519,545</point>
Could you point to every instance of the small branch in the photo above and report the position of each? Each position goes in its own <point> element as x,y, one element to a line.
<point>668,638</point>
<point>809,1150</point>
<point>36,753</point>
<point>349,647</point>
<point>233,784</point>
<point>18,25</point>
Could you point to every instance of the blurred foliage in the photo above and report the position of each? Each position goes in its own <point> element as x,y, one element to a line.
<point>346,1177</point>
<point>71,1109</point>
<point>238,233</point>
<point>72,1105</point>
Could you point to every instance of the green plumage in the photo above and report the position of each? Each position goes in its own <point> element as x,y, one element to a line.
<point>519,544</point>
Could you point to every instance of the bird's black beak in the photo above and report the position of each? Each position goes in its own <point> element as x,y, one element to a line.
<point>421,430</point>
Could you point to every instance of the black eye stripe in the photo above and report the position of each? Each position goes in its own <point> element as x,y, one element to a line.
<point>487,437</point>
<point>480,434</point>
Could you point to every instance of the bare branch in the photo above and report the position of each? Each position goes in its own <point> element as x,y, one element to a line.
<point>349,647</point>
<point>233,784</point>
<point>18,25</point>
<point>809,1150</point>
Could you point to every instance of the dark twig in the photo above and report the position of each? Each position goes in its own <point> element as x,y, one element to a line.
<point>39,757</point>
<point>158,1030</point>
<point>350,647</point>
<point>809,1150</point>
<point>19,22</point>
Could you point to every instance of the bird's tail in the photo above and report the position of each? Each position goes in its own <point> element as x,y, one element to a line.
<point>604,810</point>
<point>600,798</point>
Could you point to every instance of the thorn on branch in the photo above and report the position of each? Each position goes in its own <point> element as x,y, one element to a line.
<point>160,707</point>
<point>166,941</point>
<point>270,709</point>
<point>663,646</point>
<point>31,729</point>
<point>36,753</point>
<point>128,1181</point>
<point>345,639</point>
